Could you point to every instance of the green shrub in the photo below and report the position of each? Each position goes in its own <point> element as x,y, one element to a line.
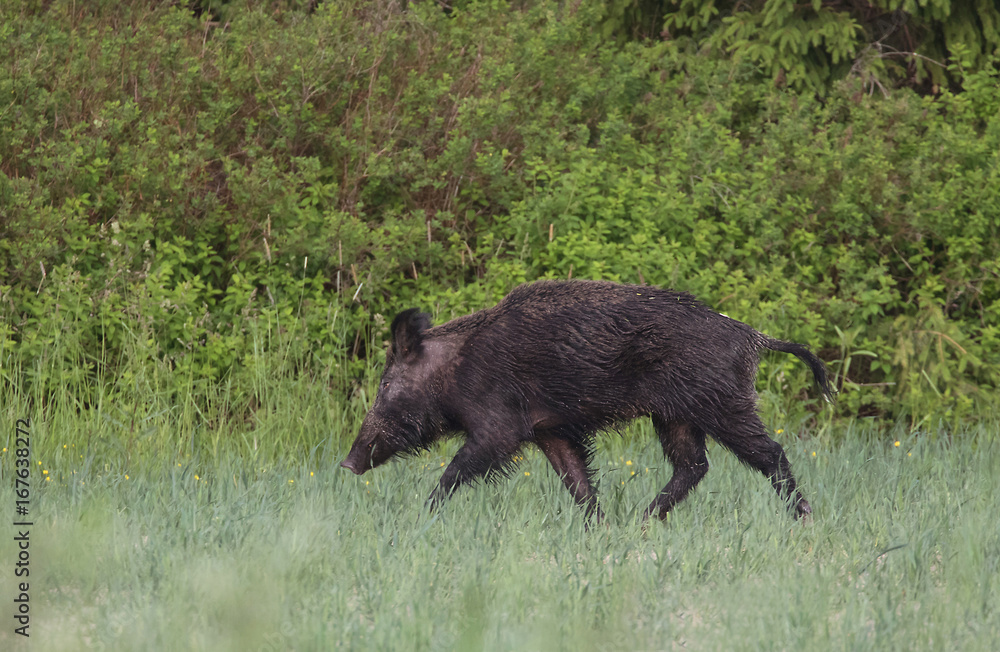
<point>810,45</point>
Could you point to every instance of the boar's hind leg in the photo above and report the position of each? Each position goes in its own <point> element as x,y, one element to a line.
<point>569,459</point>
<point>475,459</point>
<point>684,446</point>
<point>748,439</point>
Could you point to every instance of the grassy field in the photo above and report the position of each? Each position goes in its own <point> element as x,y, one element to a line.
<point>285,550</point>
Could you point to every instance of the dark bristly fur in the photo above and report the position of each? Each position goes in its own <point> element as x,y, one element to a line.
<point>557,361</point>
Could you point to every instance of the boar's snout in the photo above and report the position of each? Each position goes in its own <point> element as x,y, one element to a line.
<point>370,449</point>
<point>349,464</point>
<point>359,459</point>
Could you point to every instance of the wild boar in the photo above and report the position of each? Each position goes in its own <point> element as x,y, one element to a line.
<point>557,361</point>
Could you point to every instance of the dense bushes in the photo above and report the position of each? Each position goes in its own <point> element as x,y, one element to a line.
<point>184,200</point>
<point>811,44</point>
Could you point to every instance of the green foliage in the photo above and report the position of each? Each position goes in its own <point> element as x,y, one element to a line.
<point>803,45</point>
<point>187,203</point>
<point>809,45</point>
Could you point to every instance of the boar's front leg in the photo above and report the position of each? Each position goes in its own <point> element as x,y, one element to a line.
<point>476,458</point>
<point>569,459</point>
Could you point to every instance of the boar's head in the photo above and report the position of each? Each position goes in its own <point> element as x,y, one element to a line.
<point>404,417</point>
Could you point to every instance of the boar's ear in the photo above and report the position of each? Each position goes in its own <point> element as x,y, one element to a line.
<point>408,331</point>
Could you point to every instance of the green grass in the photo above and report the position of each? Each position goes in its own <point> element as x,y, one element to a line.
<point>281,551</point>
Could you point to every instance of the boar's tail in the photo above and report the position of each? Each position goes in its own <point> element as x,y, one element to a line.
<point>807,356</point>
